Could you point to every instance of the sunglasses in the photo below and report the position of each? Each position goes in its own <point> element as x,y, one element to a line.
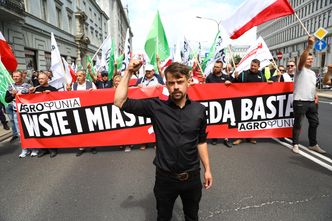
<point>282,70</point>
<point>290,66</point>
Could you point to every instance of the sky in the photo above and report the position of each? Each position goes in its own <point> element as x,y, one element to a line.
<point>179,19</point>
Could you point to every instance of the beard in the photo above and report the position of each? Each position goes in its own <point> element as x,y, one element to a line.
<point>177,95</point>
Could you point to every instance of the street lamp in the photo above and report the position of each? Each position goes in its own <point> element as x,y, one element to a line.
<point>211,19</point>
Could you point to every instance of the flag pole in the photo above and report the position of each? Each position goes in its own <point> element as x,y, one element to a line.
<point>302,24</point>
<point>99,48</point>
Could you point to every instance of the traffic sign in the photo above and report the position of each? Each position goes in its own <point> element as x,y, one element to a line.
<point>279,55</point>
<point>320,33</point>
<point>320,45</point>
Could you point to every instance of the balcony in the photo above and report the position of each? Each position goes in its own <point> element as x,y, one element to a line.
<point>11,10</point>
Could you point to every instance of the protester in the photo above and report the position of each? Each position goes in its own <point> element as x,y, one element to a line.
<point>3,117</point>
<point>16,89</point>
<point>304,99</point>
<point>180,127</point>
<point>217,76</point>
<point>81,85</point>
<point>104,82</point>
<point>328,75</point>
<point>44,87</point>
<point>150,78</point>
<point>249,76</point>
<point>270,70</point>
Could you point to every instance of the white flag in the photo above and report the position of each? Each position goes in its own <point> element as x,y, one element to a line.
<point>258,50</point>
<point>219,55</point>
<point>127,51</point>
<point>185,51</point>
<point>98,64</point>
<point>105,52</point>
<point>58,79</point>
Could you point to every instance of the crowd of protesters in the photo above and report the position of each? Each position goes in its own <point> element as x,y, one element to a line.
<point>38,82</point>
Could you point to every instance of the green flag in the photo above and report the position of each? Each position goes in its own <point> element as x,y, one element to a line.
<point>89,61</point>
<point>156,42</point>
<point>111,61</point>
<point>119,61</point>
<point>211,53</point>
<point>5,81</point>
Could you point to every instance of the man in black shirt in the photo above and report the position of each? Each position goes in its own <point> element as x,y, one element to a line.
<point>180,128</point>
<point>44,87</point>
<point>249,76</point>
<point>217,76</point>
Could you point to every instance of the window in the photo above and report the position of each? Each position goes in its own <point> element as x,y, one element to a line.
<point>44,10</point>
<point>70,24</point>
<point>48,60</point>
<point>30,59</point>
<point>58,15</point>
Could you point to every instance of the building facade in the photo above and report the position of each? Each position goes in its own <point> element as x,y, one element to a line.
<point>79,26</point>
<point>286,35</point>
<point>118,22</point>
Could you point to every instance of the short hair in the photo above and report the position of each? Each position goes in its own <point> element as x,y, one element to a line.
<point>310,54</point>
<point>117,76</point>
<point>42,73</point>
<point>219,62</point>
<point>81,70</point>
<point>291,60</point>
<point>281,66</point>
<point>17,71</point>
<point>256,61</point>
<point>177,69</point>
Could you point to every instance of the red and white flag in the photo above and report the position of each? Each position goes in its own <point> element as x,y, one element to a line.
<point>7,57</point>
<point>258,50</point>
<point>255,12</point>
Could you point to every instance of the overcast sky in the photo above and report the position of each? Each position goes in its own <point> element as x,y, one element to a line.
<point>179,18</point>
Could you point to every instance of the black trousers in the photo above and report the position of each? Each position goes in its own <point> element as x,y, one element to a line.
<point>2,115</point>
<point>167,189</point>
<point>308,109</point>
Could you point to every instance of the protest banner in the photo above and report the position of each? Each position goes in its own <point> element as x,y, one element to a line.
<point>89,118</point>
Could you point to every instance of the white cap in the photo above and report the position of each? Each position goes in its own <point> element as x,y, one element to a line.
<point>149,67</point>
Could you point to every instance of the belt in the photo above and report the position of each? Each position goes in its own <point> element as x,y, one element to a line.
<point>179,176</point>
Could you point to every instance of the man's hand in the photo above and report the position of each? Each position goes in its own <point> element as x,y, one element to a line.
<point>14,92</point>
<point>89,67</point>
<point>46,91</point>
<point>311,41</point>
<point>134,66</point>
<point>207,179</point>
<point>32,90</point>
<point>236,74</point>
<point>140,85</point>
<point>270,82</point>
<point>228,82</point>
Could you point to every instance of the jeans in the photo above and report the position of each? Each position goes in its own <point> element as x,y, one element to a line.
<point>12,116</point>
<point>167,189</point>
<point>308,109</point>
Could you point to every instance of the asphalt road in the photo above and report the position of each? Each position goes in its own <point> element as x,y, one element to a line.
<point>265,181</point>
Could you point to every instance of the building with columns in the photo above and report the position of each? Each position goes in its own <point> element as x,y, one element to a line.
<point>286,35</point>
<point>79,26</point>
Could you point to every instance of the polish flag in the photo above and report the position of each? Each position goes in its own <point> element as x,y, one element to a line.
<point>255,12</point>
<point>7,57</point>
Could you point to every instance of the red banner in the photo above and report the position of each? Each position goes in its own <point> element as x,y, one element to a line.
<point>89,118</point>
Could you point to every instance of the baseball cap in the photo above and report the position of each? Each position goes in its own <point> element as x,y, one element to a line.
<point>149,67</point>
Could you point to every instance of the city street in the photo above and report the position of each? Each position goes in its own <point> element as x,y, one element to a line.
<point>265,181</point>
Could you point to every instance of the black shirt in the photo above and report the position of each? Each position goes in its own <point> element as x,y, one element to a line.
<point>104,84</point>
<point>248,76</point>
<point>178,131</point>
<point>47,88</point>
<point>212,78</point>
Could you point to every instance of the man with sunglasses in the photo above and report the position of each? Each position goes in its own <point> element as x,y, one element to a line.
<point>305,103</point>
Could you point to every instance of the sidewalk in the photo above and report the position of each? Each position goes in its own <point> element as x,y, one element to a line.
<point>4,134</point>
<point>325,93</point>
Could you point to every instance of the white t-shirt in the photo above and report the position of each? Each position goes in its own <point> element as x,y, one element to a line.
<point>82,87</point>
<point>305,85</point>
